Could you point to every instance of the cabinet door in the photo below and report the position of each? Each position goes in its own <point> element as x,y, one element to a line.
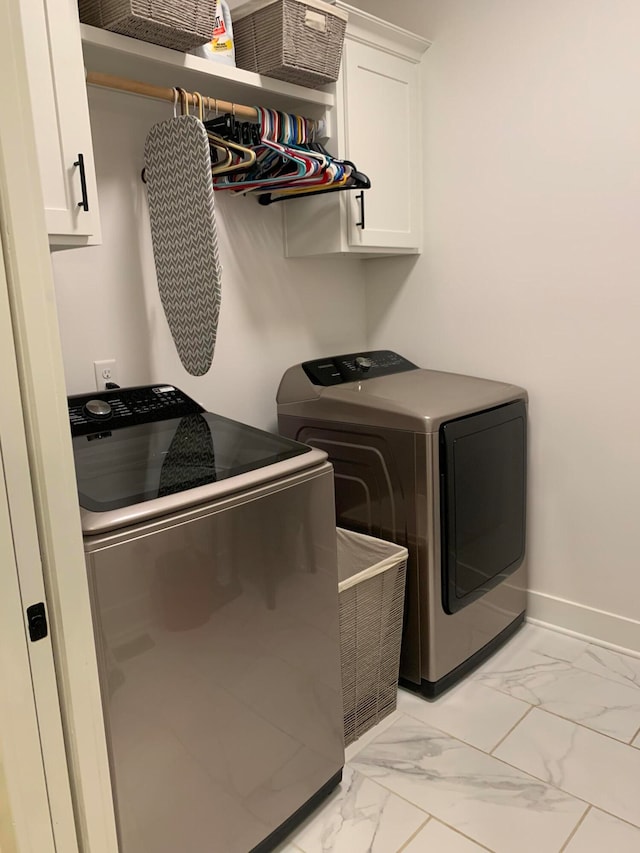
<point>383,137</point>
<point>61,114</point>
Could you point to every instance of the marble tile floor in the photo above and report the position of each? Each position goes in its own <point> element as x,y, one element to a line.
<point>537,751</point>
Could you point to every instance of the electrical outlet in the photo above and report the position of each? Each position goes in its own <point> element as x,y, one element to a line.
<point>105,371</point>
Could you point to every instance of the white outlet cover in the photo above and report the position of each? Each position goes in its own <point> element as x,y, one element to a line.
<point>105,371</point>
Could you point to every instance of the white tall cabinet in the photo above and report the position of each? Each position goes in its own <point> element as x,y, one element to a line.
<point>59,760</point>
<point>376,124</point>
<point>61,116</point>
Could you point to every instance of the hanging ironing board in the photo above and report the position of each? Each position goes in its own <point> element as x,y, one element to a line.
<point>183,231</point>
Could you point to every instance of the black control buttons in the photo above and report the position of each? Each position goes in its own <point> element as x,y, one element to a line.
<point>355,367</point>
<point>128,407</point>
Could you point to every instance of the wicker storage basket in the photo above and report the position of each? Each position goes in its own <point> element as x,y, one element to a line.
<point>299,41</point>
<point>180,24</point>
<point>371,592</point>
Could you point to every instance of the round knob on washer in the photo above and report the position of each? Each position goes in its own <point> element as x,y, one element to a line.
<point>363,363</point>
<point>98,409</point>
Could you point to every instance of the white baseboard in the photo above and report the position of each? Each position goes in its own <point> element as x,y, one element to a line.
<point>596,626</point>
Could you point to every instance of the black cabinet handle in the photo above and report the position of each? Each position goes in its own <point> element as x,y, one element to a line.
<point>84,204</point>
<point>360,198</point>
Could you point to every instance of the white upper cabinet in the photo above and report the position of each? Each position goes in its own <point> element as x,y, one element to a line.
<point>61,115</point>
<point>382,130</point>
<point>377,126</point>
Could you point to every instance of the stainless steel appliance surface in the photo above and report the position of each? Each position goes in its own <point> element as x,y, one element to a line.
<point>211,558</point>
<point>436,462</point>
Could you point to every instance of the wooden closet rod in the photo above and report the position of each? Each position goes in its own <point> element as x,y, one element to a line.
<point>162,93</point>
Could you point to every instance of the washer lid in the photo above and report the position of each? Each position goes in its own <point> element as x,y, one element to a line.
<point>135,465</point>
<point>418,400</point>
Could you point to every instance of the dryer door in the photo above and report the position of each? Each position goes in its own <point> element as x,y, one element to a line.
<point>483,499</point>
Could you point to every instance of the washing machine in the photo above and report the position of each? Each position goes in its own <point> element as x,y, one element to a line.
<point>436,462</point>
<point>211,559</point>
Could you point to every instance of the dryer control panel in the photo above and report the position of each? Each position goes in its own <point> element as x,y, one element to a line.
<point>123,407</point>
<point>338,369</point>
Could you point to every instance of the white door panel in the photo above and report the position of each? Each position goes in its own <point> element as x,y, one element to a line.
<point>24,587</point>
<point>34,430</point>
<point>25,819</point>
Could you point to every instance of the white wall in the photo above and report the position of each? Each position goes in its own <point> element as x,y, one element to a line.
<point>530,273</point>
<point>275,312</point>
<point>531,268</point>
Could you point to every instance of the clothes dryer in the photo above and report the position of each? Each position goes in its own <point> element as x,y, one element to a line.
<point>435,462</point>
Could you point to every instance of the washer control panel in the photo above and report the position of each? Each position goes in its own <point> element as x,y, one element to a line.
<point>121,407</point>
<point>338,369</point>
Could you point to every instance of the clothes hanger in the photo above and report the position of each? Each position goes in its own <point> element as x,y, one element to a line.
<point>276,138</point>
<point>247,159</point>
<point>331,173</point>
<point>275,164</point>
<point>184,101</point>
<point>283,139</point>
<point>288,162</point>
<point>351,178</point>
<point>199,101</point>
<point>221,145</point>
<point>354,180</point>
<point>176,95</point>
<point>221,156</point>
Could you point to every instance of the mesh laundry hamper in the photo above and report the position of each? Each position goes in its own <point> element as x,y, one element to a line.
<point>371,592</point>
<point>299,41</point>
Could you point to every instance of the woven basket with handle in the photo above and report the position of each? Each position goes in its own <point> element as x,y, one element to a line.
<point>299,41</point>
<point>180,24</point>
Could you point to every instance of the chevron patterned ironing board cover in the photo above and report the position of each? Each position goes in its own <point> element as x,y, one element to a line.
<point>183,231</point>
